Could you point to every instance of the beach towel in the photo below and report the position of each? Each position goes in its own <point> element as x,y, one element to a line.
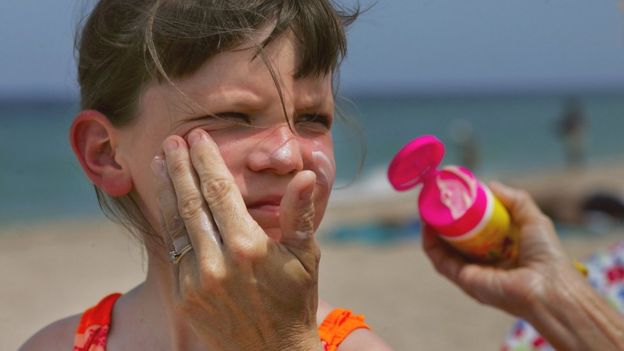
<point>605,272</point>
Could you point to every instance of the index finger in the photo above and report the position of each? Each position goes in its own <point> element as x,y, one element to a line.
<point>219,189</point>
<point>190,205</point>
<point>171,223</point>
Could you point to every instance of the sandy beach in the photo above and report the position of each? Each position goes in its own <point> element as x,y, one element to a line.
<point>53,269</point>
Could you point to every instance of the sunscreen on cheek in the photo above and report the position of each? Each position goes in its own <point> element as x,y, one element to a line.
<point>454,202</point>
<point>324,168</point>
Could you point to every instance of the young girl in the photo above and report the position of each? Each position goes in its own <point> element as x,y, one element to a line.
<point>206,130</point>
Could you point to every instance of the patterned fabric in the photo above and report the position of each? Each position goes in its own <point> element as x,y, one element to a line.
<point>606,276</point>
<point>95,323</point>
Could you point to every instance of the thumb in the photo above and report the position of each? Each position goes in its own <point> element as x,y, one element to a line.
<point>297,211</point>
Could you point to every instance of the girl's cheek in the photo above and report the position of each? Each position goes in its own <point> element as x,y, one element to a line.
<point>234,153</point>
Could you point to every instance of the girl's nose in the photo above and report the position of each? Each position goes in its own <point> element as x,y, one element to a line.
<point>279,152</point>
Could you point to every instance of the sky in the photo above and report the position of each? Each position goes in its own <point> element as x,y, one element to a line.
<point>396,47</point>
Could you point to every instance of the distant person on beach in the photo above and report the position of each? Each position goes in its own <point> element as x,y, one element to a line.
<point>206,130</point>
<point>572,130</point>
<point>466,143</point>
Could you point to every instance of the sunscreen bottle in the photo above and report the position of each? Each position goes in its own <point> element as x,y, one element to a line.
<point>461,209</point>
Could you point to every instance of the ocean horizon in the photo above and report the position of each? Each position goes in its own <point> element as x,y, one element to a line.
<point>41,179</point>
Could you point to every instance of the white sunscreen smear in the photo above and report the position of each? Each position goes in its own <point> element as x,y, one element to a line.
<point>325,169</point>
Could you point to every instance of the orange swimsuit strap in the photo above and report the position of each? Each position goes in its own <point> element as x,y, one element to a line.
<point>337,326</point>
<point>92,331</point>
<point>94,326</point>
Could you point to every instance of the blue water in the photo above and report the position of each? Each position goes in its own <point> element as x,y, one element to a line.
<point>40,178</point>
<point>513,133</point>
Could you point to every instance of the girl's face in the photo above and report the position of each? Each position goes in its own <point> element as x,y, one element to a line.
<point>261,151</point>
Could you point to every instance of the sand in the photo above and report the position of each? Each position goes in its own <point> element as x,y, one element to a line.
<point>57,268</point>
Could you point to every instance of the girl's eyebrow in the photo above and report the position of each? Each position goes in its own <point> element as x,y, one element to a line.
<point>236,96</point>
<point>313,102</point>
<point>205,103</point>
<point>225,99</point>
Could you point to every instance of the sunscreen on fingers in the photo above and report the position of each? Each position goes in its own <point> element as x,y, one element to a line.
<point>461,209</point>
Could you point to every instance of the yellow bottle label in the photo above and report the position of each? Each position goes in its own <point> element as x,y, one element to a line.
<point>493,239</point>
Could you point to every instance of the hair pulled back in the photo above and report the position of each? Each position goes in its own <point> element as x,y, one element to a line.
<point>127,44</point>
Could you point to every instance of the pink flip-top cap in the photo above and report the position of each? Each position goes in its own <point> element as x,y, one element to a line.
<point>416,163</point>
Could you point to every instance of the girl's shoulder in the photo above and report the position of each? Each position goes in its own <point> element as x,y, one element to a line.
<point>58,336</point>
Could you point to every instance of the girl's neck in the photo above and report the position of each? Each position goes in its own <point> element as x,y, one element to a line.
<point>145,318</point>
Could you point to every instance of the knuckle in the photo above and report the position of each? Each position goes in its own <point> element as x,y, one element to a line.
<point>306,222</point>
<point>212,278</point>
<point>178,167</point>
<point>175,226</point>
<point>190,206</point>
<point>216,190</point>
<point>244,250</point>
<point>201,160</point>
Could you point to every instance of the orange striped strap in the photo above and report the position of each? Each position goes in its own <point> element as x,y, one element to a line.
<point>94,325</point>
<point>337,326</point>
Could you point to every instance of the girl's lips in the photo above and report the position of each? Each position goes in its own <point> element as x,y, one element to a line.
<point>266,215</point>
<point>268,201</point>
<point>265,208</point>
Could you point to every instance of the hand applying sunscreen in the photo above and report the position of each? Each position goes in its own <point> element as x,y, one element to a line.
<point>454,202</point>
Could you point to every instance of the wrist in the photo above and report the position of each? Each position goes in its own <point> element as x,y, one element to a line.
<point>571,316</point>
<point>308,340</point>
<point>558,290</point>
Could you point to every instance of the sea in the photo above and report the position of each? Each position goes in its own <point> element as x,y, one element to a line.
<point>40,178</point>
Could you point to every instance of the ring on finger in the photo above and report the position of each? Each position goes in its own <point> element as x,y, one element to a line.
<point>181,246</point>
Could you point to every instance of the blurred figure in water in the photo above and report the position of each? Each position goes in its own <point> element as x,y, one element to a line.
<point>572,130</point>
<point>465,140</point>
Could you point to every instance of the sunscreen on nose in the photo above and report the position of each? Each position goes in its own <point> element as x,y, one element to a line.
<point>454,202</point>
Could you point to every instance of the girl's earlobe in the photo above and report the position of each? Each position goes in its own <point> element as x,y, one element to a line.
<point>94,141</point>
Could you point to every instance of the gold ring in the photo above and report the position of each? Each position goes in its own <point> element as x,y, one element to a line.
<point>181,246</point>
<point>176,256</point>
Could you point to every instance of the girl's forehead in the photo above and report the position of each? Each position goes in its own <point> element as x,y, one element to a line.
<point>243,74</point>
<point>242,79</point>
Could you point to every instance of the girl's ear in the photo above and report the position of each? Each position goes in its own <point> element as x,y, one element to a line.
<point>94,141</point>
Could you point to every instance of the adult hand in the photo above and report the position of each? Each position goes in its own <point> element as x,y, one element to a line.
<point>238,288</point>
<point>541,286</point>
<point>511,286</point>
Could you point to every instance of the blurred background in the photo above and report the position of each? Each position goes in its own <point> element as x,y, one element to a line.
<point>528,92</point>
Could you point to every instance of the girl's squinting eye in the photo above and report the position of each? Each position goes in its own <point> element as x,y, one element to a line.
<point>223,119</point>
<point>315,120</point>
<point>234,116</point>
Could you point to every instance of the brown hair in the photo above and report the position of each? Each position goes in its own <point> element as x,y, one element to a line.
<point>126,44</point>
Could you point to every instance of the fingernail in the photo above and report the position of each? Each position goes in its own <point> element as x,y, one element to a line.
<point>159,167</point>
<point>195,137</point>
<point>171,145</point>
